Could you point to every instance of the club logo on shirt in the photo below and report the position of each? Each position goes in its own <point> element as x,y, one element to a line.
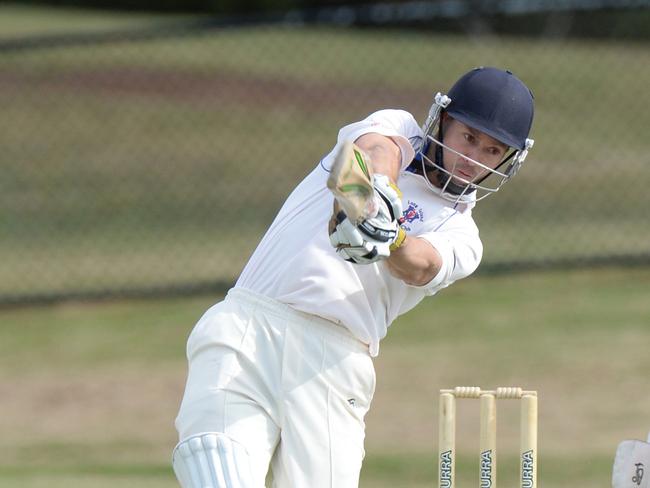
<point>412,213</point>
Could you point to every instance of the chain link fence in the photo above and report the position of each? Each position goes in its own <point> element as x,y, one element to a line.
<point>153,161</point>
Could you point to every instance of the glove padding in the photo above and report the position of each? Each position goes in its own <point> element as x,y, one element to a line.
<point>390,194</point>
<point>356,245</point>
<point>374,238</point>
<point>632,465</point>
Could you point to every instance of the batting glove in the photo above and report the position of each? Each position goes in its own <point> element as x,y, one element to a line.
<point>357,246</point>
<point>392,197</point>
<point>374,238</point>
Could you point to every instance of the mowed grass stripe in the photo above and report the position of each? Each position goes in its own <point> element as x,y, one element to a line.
<point>89,391</point>
<point>397,470</point>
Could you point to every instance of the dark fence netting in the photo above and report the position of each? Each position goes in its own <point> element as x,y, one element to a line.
<point>137,164</point>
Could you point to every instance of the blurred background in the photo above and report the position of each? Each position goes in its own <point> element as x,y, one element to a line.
<point>147,146</point>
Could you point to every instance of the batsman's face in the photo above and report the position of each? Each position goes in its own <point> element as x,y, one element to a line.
<point>467,147</point>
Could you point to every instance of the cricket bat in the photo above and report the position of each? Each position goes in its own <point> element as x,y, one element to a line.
<point>350,180</point>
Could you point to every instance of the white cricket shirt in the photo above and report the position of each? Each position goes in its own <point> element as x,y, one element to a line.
<point>296,264</point>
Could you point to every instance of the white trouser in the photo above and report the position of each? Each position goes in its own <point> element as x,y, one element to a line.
<point>292,388</point>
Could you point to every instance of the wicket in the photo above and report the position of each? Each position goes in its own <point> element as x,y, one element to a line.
<point>488,434</point>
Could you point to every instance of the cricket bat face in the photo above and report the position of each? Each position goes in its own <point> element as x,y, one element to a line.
<point>350,180</point>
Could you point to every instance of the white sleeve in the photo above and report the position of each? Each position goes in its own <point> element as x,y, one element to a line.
<point>461,250</point>
<point>399,125</point>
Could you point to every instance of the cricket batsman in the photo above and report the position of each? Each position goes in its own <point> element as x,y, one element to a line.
<point>281,371</point>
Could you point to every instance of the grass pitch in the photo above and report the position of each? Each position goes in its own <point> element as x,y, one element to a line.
<point>89,391</point>
<point>120,156</point>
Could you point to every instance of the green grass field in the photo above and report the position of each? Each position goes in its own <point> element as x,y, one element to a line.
<point>120,156</point>
<point>158,163</point>
<point>88,391</point>
<point>19,20</point>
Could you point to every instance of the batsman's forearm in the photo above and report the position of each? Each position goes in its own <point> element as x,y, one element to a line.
<point>415,262</point>
<point>384,154</point>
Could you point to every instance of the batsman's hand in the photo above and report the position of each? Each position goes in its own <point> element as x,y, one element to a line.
<point>374,238</point>
<point>355,245</point>
<point>390,194</point>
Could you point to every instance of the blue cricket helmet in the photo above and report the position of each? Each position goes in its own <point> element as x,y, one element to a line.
<point>495,102</point>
